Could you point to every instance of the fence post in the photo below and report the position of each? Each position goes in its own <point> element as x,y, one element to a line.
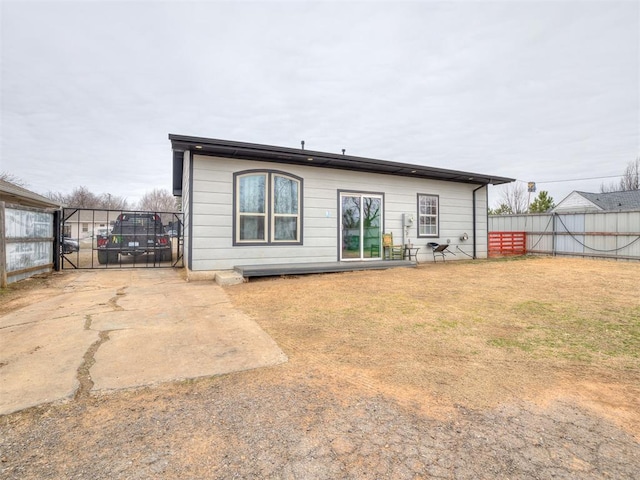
<point>57,240</point>
<point>553,240</point>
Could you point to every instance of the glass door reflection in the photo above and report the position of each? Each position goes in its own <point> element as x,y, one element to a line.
<point>360,231</point>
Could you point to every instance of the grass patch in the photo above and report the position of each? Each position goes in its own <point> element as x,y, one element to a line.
<point>516,319</point>
<point>577,331</point>
<point>444,324</point>
<point>533,308</point>
<point>502,342</point>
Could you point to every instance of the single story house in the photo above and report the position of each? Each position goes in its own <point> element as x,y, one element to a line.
<point>248,204</point>
<point>580,202</point>
<point>84,224</point>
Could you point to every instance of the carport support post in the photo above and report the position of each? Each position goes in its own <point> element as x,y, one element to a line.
<point>3,249</point>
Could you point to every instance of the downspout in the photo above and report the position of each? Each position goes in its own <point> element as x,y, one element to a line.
<point>475,221</point>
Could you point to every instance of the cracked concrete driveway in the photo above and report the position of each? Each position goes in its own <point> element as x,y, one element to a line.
<point>109,330</point>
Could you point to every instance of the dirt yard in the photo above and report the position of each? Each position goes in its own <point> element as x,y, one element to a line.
<point>490,369</point>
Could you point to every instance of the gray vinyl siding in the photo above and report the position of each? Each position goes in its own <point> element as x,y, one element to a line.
<point>212,213</point>
<point>186,208</point>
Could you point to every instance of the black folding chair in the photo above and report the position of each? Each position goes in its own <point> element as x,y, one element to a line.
<point>439,249</point>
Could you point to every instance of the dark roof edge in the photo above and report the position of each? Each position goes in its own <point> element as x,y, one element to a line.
<point>233,149</point>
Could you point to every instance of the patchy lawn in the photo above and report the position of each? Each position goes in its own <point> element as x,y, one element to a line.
<point>522,368</point>
<point>467,333</point>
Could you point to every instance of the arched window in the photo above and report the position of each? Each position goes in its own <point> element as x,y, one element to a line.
<point>267,208</point>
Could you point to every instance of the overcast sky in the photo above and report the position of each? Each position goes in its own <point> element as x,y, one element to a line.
<point>540,91</point>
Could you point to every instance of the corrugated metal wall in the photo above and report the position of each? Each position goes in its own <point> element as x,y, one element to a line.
<point>28,240</point>
<point>603,234</point>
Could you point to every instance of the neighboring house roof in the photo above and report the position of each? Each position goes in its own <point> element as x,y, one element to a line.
<point>298,156</point>
<point>12,193</point>
<point>629,200</point>
<point>611,201</point>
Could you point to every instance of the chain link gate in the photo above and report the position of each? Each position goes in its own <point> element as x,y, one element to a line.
<point>95,239</point>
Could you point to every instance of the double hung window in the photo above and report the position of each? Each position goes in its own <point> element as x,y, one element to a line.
<point>428,212</point>
<point>267,208</point>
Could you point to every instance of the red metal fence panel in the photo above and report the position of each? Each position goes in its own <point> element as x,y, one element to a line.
<point>507,243</point>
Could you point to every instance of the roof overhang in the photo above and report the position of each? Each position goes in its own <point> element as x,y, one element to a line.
<point>297,156</point>
<point>17,195</point>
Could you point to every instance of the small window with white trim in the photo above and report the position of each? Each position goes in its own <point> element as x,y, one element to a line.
<point>428,215</point>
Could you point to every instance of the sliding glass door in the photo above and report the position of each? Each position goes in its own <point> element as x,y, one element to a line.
<point>360,229</point>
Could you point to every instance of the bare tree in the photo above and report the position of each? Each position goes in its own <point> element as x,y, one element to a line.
<point>113,202</point>
<point>81,197</point>
<point>514,197</point>
<point>630,179</point>
<point>11,178</point>
<point>610,187</point>
<point>158,200</point>
<point>57,197</point>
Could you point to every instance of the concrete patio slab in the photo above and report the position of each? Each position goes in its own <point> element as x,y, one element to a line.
<point>108,330</point>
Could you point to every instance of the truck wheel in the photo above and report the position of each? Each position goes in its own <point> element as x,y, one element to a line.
<point>163,256</point>
<point>102,258</point>
<point>112,257</point>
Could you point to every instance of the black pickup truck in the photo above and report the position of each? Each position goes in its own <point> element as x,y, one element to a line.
<point>135,234</point>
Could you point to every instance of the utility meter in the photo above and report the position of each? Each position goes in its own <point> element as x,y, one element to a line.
<point>408,219</point>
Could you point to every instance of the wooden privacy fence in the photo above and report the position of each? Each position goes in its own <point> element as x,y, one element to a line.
<point>507,243</point>
<point>614,235</point>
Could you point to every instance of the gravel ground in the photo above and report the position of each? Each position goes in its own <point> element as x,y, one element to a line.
<point>274,423</point>
<point>348,406</point>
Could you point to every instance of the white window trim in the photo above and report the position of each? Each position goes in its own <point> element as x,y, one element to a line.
<point>429,215</point>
